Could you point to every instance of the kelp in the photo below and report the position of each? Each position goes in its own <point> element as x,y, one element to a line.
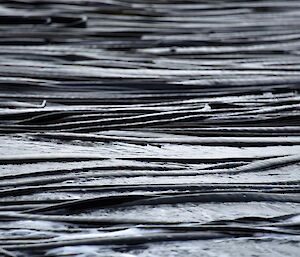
<point>149,128</point>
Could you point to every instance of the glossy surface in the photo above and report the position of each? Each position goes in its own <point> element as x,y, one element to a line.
<point>149,128</point>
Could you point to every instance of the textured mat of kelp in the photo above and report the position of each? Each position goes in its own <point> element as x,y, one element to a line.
<point>149,128</point>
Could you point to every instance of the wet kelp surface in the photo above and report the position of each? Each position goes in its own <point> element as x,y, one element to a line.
<point>149,128</point>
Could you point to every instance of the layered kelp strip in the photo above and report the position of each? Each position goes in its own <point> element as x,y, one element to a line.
<point>149,128</point>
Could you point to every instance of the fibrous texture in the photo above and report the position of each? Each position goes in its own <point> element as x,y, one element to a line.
<point>149,128</point>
